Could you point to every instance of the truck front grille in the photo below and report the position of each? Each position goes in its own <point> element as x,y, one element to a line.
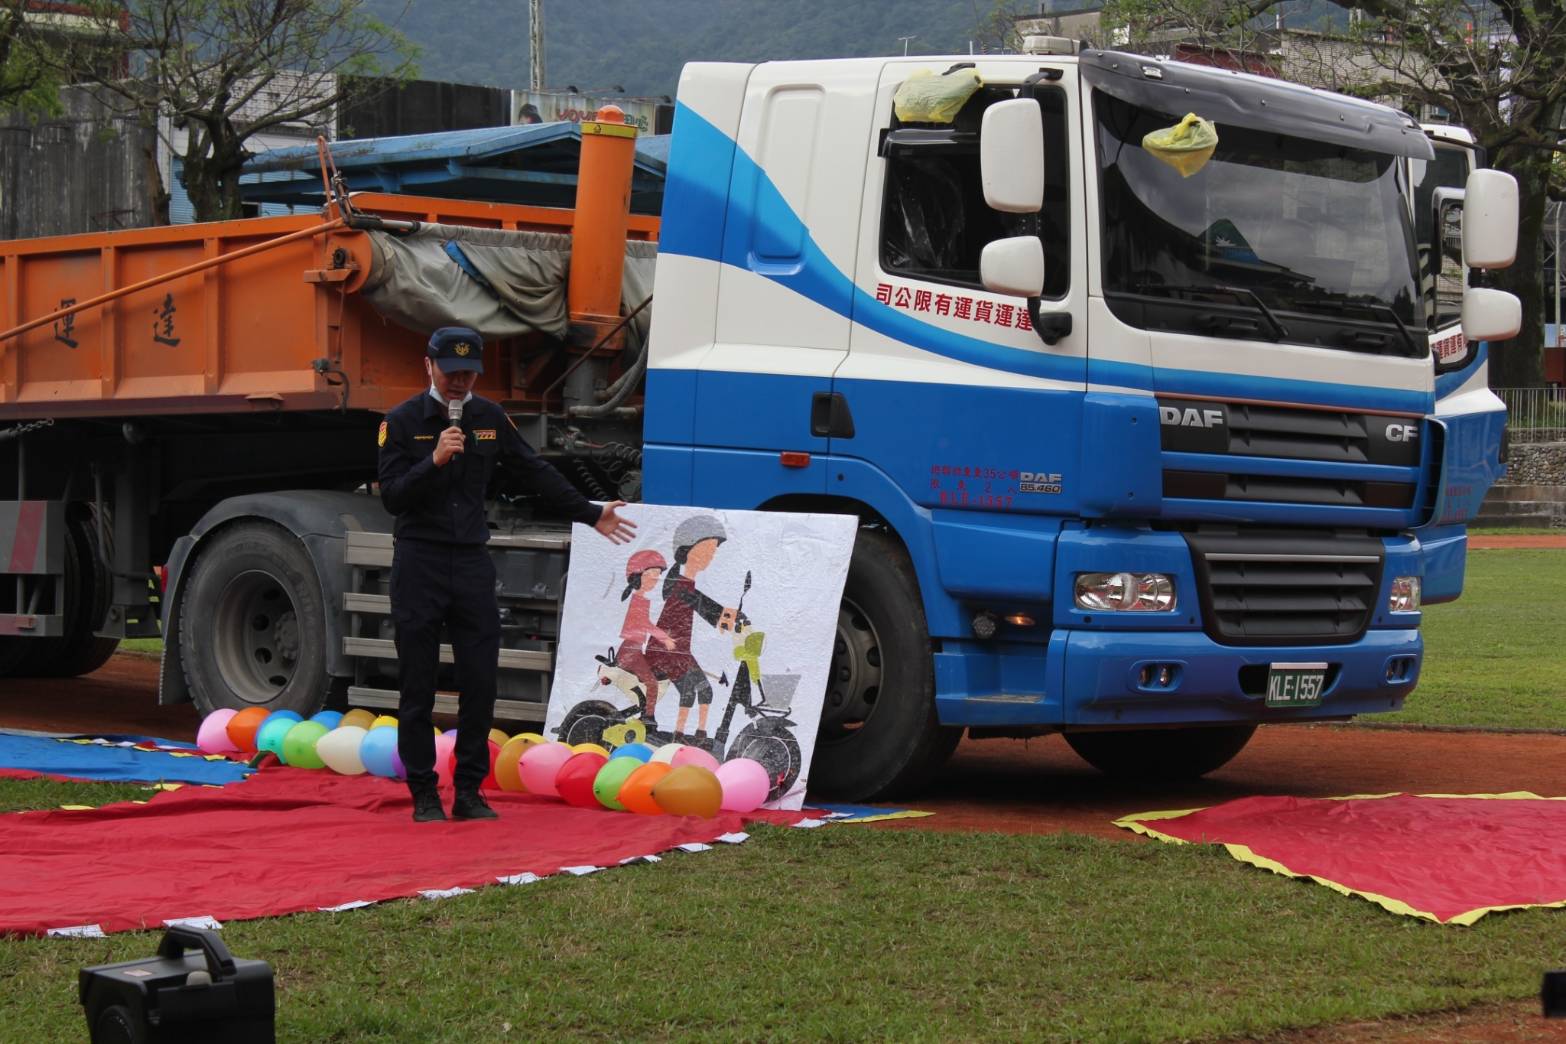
<point>1282,587</point>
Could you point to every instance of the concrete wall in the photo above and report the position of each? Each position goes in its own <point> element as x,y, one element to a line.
<point>84,170</point>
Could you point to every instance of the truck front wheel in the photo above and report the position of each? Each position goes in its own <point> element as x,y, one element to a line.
<point>252,625</point>
<point>879,733</point>
<point>1161,754</point>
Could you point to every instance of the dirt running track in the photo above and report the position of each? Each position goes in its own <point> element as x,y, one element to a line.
<point>1040,786</point>
<point>1012,786</point>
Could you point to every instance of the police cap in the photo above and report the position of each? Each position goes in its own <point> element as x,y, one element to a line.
<point>457,348</point>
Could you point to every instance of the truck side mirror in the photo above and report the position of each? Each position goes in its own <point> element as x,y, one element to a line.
<point>1490,315</point>
<point>1013,266</point>
<point>1011,156</point>
<point>1489,221</point>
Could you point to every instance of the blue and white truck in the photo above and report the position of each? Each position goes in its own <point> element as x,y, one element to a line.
<point>1144,458</point>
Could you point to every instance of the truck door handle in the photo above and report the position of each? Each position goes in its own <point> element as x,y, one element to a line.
<point>830,417</point>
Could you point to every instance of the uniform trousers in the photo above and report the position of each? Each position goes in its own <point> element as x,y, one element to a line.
<point>451,585</point>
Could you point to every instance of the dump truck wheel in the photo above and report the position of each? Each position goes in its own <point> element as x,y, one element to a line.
<point>1161,754</point>
<point>81,650</point>
<point>879,733</point>
<point>252,625</point>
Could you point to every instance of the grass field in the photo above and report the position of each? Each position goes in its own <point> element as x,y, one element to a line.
<point>845,933</point>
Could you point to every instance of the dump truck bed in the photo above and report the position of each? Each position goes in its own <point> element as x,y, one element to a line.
<point>279,329</point>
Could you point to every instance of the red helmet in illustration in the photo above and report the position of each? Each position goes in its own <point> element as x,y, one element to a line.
<point>647,559</point>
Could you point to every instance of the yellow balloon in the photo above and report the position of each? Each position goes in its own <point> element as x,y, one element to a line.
<point>590,748</point>
<point>508,766</point>
<point>384,719</point>
<point>359,716</point>
<point>497,737</point>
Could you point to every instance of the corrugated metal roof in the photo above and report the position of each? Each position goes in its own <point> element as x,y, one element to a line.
<point>532,163</point>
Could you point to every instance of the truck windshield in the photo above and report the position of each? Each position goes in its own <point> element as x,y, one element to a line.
<point>1276,237</point>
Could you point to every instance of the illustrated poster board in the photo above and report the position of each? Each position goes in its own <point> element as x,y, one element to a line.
<point>659,611</point>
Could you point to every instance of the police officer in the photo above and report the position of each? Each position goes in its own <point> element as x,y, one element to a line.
<point>438,451</point>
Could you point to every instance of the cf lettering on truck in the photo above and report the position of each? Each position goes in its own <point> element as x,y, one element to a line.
<point>1145,451</point>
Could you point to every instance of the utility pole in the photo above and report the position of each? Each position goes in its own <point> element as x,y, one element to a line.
<point>904,40</point>
<point>535,34</point>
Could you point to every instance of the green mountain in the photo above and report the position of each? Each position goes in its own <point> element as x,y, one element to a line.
<point>640,45</point>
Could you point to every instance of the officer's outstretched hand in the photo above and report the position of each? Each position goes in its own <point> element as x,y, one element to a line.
<point>452,442</point>
<point>615,526</point>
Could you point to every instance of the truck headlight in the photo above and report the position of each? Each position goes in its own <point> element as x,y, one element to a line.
<point>1125,592</point>
<point>1405,595</point>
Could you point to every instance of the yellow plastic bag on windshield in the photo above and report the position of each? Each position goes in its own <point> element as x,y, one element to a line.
<point>927,98</point>
<point>1187,146</point>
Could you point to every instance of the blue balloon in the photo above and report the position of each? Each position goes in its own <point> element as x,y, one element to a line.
<point>269,737</point>
<point>639,751</point>
<point>377,750</point>
<point>331,719</point>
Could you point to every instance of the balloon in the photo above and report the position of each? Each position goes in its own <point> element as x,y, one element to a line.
<point>299,745</point>
<point>539,765</point>
<point>242,728</point>
<point>574,781</point>
<point>383,720</point>
<point>445,758</point>
<point>362,718</point>
<point>636,794</point>
<point>610,778</point>
<point>330,718</point>
<point>591,748</point>
<point>213,735</point>
<point>745,784</point>
<point>339,749</point>
<point>398,769</point>
<point>666,753</point>
<point>270,735</point>
<point>639,751</point>
<point>497,737</point>
<point>689,790</point>
<point>377,750</point>
<point>695,756</point>
<point>489,782</point>
<point>508,763</point>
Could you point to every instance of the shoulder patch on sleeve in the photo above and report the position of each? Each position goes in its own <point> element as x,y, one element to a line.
<point>380,436</point>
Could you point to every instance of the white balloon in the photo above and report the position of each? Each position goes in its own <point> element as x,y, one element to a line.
<point>339,749</point>
<point>667,752</point>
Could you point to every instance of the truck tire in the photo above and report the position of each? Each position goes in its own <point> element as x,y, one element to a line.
<point>1161,754</point>
<point>879,733</point>
<point>81,651</point>
<point>252,627</point>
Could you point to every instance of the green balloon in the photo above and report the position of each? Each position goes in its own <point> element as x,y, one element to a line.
<point>610,778</point>
<point>299,745</point>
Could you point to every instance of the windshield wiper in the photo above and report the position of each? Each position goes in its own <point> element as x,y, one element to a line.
<point>1278,329</point>
<point>1414,347</point>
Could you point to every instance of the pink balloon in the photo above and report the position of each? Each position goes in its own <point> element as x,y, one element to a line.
<point>745,784</point>
<point>213,736</point>
<point>695,756</point>
<point>539,765</point>
<point>445,758</point>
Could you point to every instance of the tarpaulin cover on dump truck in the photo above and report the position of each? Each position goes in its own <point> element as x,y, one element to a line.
<point>285,327</point>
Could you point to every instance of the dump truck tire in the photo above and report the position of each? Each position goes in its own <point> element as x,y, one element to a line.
<point>81,651</point>
<point>252,625</point>
<point>879,734</point>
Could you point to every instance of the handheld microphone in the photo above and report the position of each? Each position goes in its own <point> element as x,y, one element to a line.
<point>454,412</point>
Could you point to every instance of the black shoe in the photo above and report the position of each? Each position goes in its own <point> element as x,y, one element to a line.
<point>470,806</point>
<point>426,806</point>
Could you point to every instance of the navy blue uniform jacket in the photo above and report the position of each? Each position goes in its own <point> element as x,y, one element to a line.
<point>446,504</point>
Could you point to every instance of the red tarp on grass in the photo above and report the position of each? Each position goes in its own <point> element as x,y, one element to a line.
<point>1446,858</point>
<point>289,840</point>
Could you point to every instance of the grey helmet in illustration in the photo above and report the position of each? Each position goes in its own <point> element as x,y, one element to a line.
<point>696,529</point>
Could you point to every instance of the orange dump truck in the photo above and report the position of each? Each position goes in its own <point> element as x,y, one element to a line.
<point>186,414</point>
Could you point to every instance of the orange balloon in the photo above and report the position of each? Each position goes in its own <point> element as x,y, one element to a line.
<point>242,728</point>
<point>636,792</point>
<point>508,764</point>
<point>689,790</point>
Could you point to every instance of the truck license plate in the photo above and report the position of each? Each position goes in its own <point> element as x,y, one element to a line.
<point>1295,684</point>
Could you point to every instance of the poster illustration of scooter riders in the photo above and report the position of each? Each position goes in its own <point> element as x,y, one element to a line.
<point>713,629</point>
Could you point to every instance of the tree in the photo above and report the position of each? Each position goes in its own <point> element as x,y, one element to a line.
<point>1499,68</point>
<point>27,79</point>
<point>995,31</point>
<point>211,75</point>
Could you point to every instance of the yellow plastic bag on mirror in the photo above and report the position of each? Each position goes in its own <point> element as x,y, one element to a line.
<point>1187,146</point>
